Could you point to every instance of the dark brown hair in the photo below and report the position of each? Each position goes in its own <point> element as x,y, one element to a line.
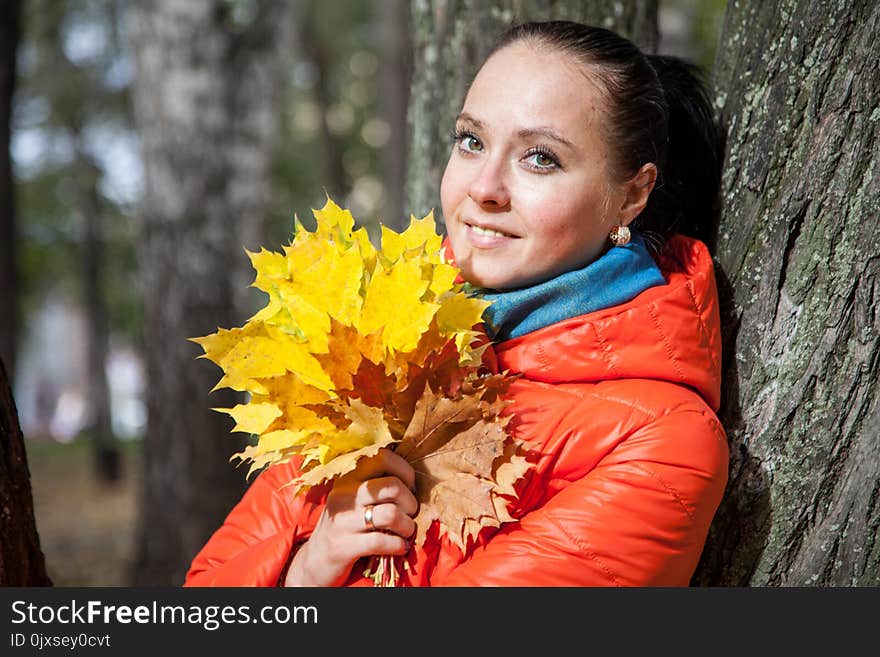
<point>658,110</point>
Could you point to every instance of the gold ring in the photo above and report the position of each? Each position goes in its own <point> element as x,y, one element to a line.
<point>368,518</point>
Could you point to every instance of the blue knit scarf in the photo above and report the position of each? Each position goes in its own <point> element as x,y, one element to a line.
<point>617,277</point>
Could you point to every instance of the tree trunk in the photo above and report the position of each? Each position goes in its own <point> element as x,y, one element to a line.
<point>100,429</point>
<point>394,76</point>
<point>450,40</point>
<point>21,559</point>
<point>70,112</point>
<point>798,255</point>
<point>10,33</point>
<point>206,105</point>
<point>333,175</point>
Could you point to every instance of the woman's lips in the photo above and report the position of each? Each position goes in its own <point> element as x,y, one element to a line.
<point>486,238</point>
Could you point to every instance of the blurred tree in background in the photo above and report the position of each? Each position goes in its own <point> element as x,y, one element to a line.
<point>207,100</point>
<point>76,231</point>
<point>342,129</point>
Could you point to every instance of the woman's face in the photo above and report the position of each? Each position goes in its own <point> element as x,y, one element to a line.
<point>527,193</point>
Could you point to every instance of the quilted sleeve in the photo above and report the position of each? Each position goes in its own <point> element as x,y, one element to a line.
<point>253,546</point>
<point>639,518</point>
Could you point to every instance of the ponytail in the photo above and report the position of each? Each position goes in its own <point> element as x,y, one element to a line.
<point>686,196</point>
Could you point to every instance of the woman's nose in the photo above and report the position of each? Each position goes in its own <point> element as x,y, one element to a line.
<point>489,188</point>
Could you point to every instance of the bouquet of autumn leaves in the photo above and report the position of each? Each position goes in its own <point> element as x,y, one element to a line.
<point>359,349</point>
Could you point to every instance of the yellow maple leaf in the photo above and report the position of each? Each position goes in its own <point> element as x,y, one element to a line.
<point>458,311</point>
<point>265,356</point>
<point>334,222</point>
<point>273,447</point>
<point>270,266</point>
<point>282,439</point>
<point>339,451</point>
<point>393,303</point>
<point>393,244</point>
<point>249,359</point>
<point>423,233</point>
<point>290,389</point>
<point>322,267</point>
<point>252,417</point>
<point>368,251</point>
<point>298,318</point>
<point>218,344</point>
<point>442,279</point>
<point>420,237</point>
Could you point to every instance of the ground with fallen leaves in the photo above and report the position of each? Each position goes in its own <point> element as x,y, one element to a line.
<point>86,528</point>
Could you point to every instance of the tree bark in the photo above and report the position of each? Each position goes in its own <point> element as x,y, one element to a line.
<point>394,76</point>
<point>450,40</point>
<point>206,105</point>
<point>798,255</point>
<point>10,33</point>
<point>21,559</point>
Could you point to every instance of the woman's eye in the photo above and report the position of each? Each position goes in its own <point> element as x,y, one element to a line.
<point>471,143</point>
<point>541,160</point>
<point>468,142</point>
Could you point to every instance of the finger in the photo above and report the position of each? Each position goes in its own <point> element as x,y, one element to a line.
<point>387,489</point>
<point>379,543</point>
<point>386,462</point>
<point>389,518</point>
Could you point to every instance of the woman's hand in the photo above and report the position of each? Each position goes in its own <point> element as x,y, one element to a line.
<point>382,483</point>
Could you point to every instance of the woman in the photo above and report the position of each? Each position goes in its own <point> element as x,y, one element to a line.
<point>575,158</point>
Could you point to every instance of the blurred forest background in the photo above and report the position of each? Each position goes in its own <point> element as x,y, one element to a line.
<point>77,364</point>
<point>150,142</point>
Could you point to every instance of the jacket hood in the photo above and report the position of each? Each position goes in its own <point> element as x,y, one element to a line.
<point>668,332</point>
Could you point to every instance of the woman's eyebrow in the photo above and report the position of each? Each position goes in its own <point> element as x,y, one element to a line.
<point>543,131</point>
<point>467,118</point>
<point>525,133</point>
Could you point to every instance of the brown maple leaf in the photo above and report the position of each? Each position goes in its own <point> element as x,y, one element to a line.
<point>371,384</point>
<point>440,370</point>
<point>456,446</point>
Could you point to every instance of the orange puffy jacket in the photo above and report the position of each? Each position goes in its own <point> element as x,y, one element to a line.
<point>632,461</point>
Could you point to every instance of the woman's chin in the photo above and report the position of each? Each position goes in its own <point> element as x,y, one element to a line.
<point>493,273</point>
<point>490,281</point>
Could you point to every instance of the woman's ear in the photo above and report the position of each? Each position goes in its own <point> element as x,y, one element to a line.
<point>636,192</point>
